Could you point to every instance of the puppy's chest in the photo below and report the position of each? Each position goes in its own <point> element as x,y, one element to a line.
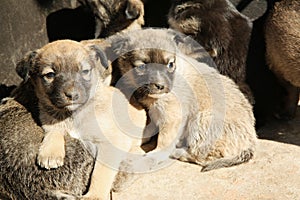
<point>163,110</point>
<point>81,124</point>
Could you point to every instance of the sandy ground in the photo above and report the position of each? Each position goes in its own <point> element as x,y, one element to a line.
<point>274,173</point>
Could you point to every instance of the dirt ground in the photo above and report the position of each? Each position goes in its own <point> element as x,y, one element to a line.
<point>273,173</point>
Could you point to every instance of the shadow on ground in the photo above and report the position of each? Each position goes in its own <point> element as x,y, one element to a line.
<point>282,131</point>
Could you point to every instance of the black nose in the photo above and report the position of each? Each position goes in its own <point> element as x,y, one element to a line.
<point>159,86</point>
<point>72,95</point>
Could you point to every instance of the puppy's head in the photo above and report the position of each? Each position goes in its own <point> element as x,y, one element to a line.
<point>149,73</point>
<point>64,73</point>
<point>116,15</point>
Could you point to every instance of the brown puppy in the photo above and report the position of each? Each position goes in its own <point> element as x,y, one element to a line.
<point>113,16</point>
<point>73,98</point>
<point>200,116</point>
<point>282,32</point>
<point>221,30</point>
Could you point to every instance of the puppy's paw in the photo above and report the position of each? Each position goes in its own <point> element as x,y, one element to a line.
<point>63,195</point>
<point>90,196</point>
<point>51,155</point>
<point>157,157</point>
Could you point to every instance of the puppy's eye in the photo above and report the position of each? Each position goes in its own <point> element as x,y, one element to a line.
<point>49,75</point>
<point>171,65</point>
<point>85,72</point>
<point>141,67</point>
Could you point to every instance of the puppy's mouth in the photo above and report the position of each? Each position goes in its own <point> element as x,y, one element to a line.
<point>154,91</point>
<point>156,95</point>
<point>73,106</point>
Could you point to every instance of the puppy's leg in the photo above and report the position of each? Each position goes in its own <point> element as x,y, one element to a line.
<point>101,182</point>
<point>52,151</point>
<point>166,142</point>
<point>111,152</point>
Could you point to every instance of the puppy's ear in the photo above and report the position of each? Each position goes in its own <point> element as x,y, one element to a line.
<point>25,65</point>
<point>99,53</point>
<point>120,45</point>
<point>134,9</point>
<point>188,46</point>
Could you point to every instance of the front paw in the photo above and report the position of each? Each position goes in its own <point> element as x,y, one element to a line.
<point>51,156</point>
<point>90,196</point>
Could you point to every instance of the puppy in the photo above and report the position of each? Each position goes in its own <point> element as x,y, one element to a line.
<point>113,16</point>
<point>70,83</point>
<point>282,52</point>
<point>200,116</point>
<point>221,30</point>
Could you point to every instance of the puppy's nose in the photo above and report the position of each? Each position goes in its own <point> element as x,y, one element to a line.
<point>72,95</point>
<point>159,86</point>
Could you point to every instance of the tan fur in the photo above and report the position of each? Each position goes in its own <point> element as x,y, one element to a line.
<point>282,40</point>
<point>95,121</point>
<point>205,115</point>
<point>282,32</point>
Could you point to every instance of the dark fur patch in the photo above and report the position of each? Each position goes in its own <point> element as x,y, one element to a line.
<point>221,30</point>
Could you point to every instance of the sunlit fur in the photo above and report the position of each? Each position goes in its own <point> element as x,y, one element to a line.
<point>93,121</point>
<point>204,115</point>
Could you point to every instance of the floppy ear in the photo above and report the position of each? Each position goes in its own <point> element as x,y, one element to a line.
<point>188,46</point>
<point>119,45</point>
<point>99,53</point>
<point>25,65</point>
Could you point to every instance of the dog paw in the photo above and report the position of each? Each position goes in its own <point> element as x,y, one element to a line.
<point>51,156</point>
<point>92,197</point>
<point>178,153</point>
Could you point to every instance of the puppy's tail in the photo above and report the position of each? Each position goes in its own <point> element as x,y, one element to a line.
<point>244,156</point>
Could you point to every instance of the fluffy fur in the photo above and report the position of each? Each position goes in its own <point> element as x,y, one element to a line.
<point>20,139</point>
<point>282,51</point>
<point>221,30</point>
<point>200,115</point>
<point>69,82</point>
<point>113,16</point>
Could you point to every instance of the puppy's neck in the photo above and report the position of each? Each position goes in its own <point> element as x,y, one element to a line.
<point>142,101</point>
<point>50,115</point>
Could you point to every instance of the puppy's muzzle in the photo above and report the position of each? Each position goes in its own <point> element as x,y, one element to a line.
<point>157,90</point>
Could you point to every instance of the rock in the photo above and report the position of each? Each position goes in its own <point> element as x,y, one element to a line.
<point>273,173</point>
<point>23,28</point>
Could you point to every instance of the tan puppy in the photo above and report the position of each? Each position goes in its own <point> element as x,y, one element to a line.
<point>200,116</point>
<point>282,33</point>
<point>70,81</point>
